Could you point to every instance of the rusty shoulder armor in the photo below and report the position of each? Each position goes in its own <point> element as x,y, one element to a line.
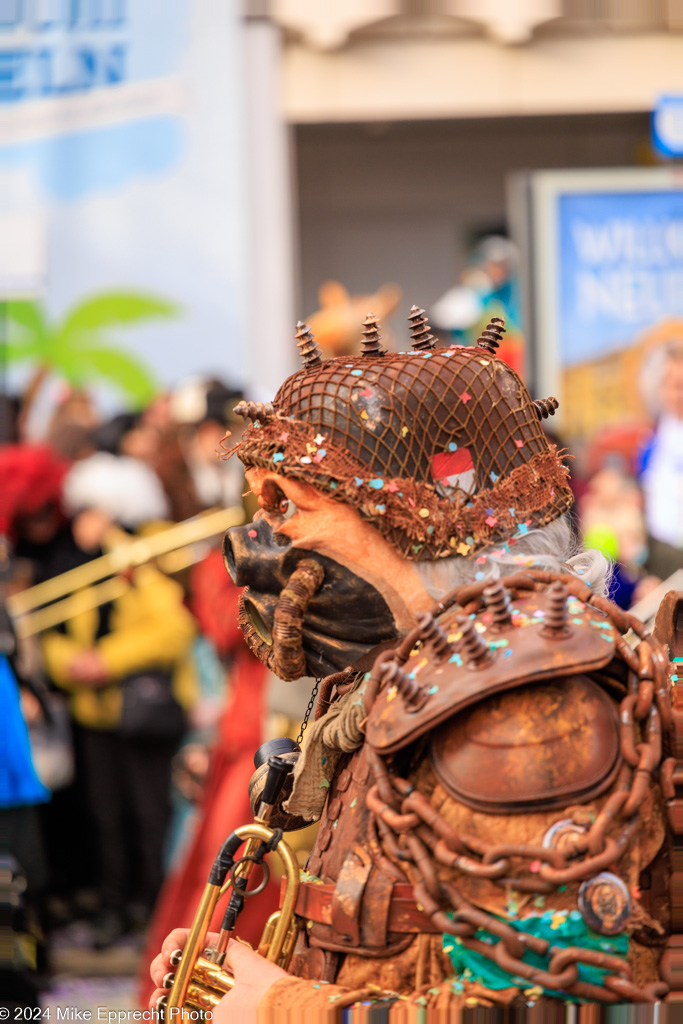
<point>513,747</point>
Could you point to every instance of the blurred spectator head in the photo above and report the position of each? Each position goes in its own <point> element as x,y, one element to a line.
<point>496,257</point>
<point>128,433</point>
<point>30,500</point>
<point>661,380</point>
<point>197,401</point>
<point>105,489</point>
<point>71,424</point>
<point>203,410</point>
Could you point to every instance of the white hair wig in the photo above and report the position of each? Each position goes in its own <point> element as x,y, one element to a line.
<point>127,490</point>
<point>552,547</point>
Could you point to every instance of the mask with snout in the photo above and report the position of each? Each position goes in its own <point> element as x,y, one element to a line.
<point>322,585</point>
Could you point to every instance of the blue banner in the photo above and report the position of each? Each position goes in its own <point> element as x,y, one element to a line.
<point>620,268</point>
<point>122,190</point>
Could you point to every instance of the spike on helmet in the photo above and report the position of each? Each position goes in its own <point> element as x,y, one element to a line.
<point>440,449</point>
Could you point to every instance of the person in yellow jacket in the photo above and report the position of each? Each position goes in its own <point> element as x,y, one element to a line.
<point>127,668</point>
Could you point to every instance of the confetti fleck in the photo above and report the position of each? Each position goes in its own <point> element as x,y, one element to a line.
<point>424,513</point>
<point>491,521</point>
<point>364,414</point>
<point>452,446</point>
<point>520,444</point>
<point>392,487</point>
<point>494,476</point>
<point>377,483</point>
<point>358,480</point>
<point>479,576</point>
<point>320,455</point>
<point>433,689</point>
<point>391,693</point>
<point>319,438</point>
<point>253,533</point>
<point>484,362</point>
<point>381,509</point>
<point>278,457</point>
<point>404,431</point>
<point>357,373</point>
<point>284,436</point>
<point>465,397</point>
<point>306,459</point>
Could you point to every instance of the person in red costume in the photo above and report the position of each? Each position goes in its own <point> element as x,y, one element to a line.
<point>224,803</point>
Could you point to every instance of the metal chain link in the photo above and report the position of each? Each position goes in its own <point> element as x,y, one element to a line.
<point>413,835</point>
<point>311,705</point>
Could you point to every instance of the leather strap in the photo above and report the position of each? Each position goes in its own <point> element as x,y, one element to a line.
<point>316,898</point>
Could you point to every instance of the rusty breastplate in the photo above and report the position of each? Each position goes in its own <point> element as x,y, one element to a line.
<point>506,768</point>
<point>533,749</point>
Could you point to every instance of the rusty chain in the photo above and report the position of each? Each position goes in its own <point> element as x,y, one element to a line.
<point>413,835</point>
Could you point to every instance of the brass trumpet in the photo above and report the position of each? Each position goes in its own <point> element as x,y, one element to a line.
<point>200,982</point>
<point>39,608</point>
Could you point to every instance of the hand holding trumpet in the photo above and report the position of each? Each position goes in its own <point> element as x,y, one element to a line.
<point>254,975</point>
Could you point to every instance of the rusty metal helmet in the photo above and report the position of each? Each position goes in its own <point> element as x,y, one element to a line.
<point>441,449</point>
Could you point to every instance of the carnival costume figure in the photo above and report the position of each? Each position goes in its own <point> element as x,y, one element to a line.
<point>490,757</point>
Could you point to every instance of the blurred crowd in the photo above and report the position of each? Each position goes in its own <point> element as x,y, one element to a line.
<point>140,701</point>
<point>121,687</point>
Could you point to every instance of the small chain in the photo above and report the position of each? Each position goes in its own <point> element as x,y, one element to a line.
<point>311,704</point>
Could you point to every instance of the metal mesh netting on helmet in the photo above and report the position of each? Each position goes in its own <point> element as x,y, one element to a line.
<point>441,449</point>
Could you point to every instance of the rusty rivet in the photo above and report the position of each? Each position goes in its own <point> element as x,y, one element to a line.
<point>498,602</point>
<point>254,410</point>
<point>491,337</point>
<point>413,695</point>
<point>307,345</point>
<point>432,633</point>
<point>476,650</point>
<point>545,407</point>
<point>556,615</point>
<point>423,341</point>
<point>370,343</point>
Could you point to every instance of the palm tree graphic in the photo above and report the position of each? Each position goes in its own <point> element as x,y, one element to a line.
<point>78,349</point>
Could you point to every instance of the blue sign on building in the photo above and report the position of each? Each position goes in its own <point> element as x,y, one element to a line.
<point>621,260</point>
<point>667,125</point>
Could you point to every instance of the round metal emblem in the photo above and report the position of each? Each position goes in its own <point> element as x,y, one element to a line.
<point>562,834</point>
<point>605,903</point>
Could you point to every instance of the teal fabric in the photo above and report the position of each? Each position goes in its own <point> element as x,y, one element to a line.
<point>560,928</point>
